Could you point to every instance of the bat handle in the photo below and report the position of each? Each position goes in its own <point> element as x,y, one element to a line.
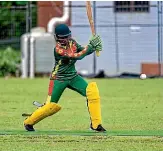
<point>97,53</point>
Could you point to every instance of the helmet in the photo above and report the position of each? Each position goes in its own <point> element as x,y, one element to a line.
<point>62,34</point>
<point>62,30</point>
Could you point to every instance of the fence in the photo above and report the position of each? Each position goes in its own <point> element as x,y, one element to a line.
<point>14,22</point>
<point>131,34</point>
<point>132,40</point>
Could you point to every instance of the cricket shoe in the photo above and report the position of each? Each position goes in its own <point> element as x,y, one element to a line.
<point>98,129</point>
<point>29,127</point>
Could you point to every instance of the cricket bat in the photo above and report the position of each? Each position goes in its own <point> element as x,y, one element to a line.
<point>91,22</point>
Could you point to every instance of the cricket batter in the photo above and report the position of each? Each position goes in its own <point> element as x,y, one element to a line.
<point>64,75</point>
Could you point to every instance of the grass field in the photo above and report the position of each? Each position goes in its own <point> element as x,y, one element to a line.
<point>132,112</point>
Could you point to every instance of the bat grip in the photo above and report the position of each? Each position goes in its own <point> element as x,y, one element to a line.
<point>97,51</point>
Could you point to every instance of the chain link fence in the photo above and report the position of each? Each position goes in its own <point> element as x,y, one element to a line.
<point>131,34</point>
<point>14,21</point>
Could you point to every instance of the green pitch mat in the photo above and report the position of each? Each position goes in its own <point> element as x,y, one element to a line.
<point>84,133</point>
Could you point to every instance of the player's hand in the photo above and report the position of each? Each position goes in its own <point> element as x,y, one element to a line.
<point>95,41</point>
<point>99,47</point>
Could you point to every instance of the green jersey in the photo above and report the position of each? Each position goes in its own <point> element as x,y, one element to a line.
<point>65,59</point>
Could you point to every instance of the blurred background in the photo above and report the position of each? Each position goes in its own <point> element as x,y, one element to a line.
<point>131,32</point>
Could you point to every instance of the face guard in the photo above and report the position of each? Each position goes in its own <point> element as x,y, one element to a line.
<point>63,40</point>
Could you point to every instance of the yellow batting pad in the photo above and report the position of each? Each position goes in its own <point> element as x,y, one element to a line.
<point>42,112</point>
<point>92,91</point>
<point>94,107</point>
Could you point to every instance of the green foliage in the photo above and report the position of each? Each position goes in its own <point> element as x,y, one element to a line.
<point>13,3</point>
<point>9,61</point>
<point>13,20</point>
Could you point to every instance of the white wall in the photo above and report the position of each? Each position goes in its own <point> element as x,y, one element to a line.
<point>134,47</point>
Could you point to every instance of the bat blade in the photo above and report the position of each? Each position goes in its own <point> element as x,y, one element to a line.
<point>89,14</point>
<point>91,22</point>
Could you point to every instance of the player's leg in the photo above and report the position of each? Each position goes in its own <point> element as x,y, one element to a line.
<point>79,85</point>
<point>94,106</point>
<point>90,90</point>
<point>55,90</point>
<point>51,107</point>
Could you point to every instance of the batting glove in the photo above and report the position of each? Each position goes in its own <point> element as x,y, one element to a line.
<point>99,47</point>
<point>95,40</point>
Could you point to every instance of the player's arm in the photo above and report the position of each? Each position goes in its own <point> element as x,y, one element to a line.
<point>81,48</point>
<point>95,43</point>
<point>74,56</point>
